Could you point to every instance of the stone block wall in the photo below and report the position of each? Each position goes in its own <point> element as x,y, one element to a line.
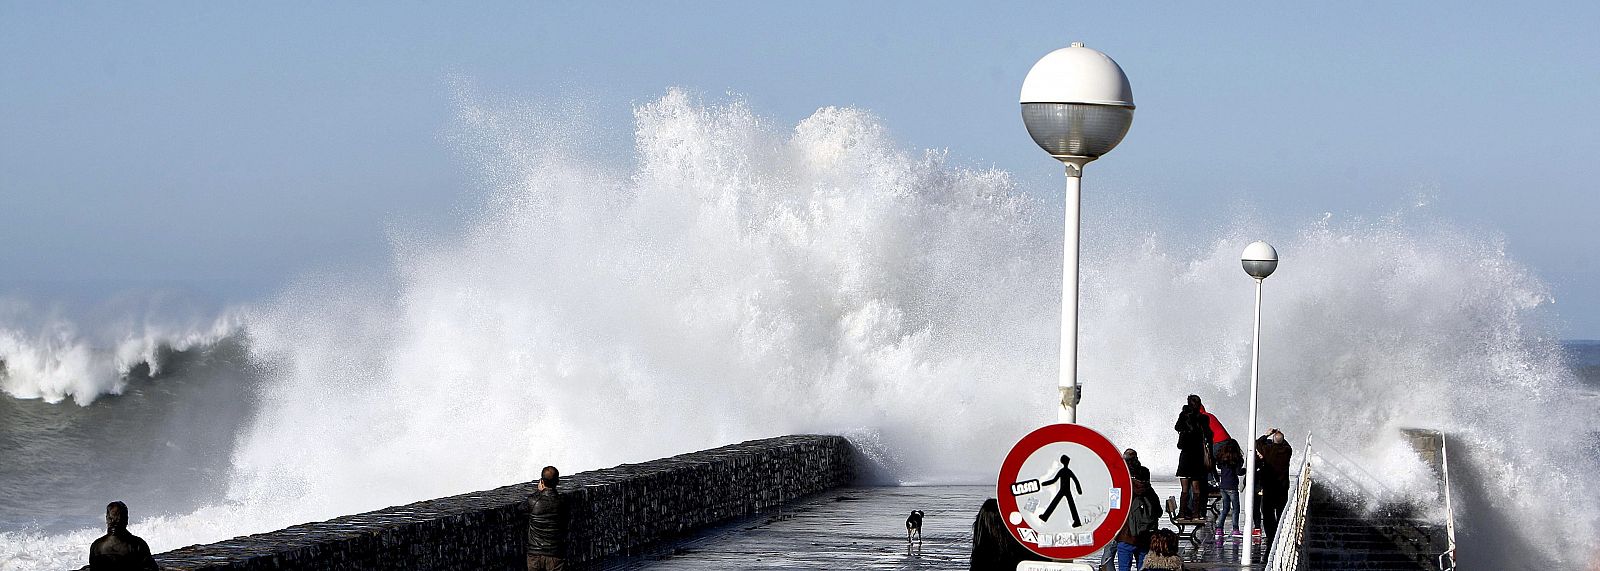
<point>613,511</point>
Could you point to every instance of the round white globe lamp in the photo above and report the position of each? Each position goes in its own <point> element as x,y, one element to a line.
<point>1259,260</point>
<point>1077,105</point>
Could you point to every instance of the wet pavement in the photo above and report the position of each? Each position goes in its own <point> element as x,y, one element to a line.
<point>848,528</point>
<point>864,528</point>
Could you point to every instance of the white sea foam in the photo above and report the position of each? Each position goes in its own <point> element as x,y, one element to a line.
<point>740,280</point>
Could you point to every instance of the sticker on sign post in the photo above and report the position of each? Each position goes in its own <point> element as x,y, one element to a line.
<point>1064,491</point>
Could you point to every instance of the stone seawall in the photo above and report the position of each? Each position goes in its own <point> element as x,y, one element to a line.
<point>613,511</point>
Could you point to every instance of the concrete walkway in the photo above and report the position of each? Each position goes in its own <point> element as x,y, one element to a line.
<point>864,528</point>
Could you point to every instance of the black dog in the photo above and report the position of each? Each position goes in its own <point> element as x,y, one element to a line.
<point>914,525</point>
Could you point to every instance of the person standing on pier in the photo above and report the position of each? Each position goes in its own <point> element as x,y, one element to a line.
<point>1194,459</point>
<point>1273,473</point>
<point>1144,517</point>
<point>1131,458</point>
<point>1138,471</point>
<point>1230,464</point>
<point>119,549</point>
<point>547,524</point>
<point>1143,473</point>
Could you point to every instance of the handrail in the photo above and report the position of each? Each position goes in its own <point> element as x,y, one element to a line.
<point>1446,559</point>
<point>1346,462</point>
<point>1449,510</point>
<point>1289,543</point>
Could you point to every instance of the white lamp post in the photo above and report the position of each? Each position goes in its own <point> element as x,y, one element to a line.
<point>1259,260</point>
<point>1077,105</point>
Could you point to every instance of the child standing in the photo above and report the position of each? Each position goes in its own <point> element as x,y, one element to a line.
<point>1230,464</point>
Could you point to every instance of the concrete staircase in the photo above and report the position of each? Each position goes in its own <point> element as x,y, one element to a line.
<point>1341,537</point>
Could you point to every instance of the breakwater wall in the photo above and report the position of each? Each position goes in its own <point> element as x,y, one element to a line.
<point>612,511</point>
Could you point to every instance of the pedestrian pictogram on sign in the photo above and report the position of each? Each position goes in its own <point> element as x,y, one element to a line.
<point>1064,491</point>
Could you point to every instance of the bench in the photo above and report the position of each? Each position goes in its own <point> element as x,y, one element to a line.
<point>1194,524</point>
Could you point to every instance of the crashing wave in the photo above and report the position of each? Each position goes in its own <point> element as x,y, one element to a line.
<point>57,358</point>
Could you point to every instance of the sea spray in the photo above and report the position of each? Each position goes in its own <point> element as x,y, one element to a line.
<point>741,280</point>
<point>738,282</point>
<point>1369,326</point>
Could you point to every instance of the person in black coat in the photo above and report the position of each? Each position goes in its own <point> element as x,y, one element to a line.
<point>1131,458</point>
<point>1194,458</point>
<point>547,524</point>
<point>119,549</point>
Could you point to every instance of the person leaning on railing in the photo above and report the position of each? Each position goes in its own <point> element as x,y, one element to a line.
<point>547,524</point>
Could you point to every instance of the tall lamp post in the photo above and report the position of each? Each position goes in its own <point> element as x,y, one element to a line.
<point>1077,105</point>
<point>1259,260</point>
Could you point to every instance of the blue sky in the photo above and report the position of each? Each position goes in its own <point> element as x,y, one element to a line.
<point>228,147</point>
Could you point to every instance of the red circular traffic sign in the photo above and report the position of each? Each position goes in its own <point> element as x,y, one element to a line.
<point>1064,491</point>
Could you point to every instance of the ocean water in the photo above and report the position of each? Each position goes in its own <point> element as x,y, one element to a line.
<point>739,279</point>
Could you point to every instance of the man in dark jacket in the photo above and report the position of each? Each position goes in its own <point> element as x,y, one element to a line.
<point>1131,458</point>
<point>118,549</point>
<point>1274,453</point>
<point>547,524</point>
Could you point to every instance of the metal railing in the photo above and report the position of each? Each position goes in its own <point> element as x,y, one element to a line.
<point>1447,560</point>
<point>1289,543</point>
<point>1369,485</point>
